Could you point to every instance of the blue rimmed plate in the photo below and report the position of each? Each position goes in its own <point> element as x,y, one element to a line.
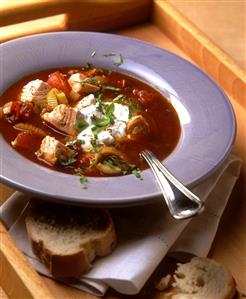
<point>206,116</point>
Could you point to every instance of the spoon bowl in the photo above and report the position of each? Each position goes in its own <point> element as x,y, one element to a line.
<point>182,203</point>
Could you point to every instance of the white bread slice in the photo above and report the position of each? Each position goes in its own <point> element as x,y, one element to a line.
<point>201,278</point>
<point>68,238</point>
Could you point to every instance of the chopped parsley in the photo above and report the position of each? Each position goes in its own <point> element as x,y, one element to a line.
<point>89,80</point>
<point>96,130</point>
<point>103,122</point>
<point>89,66</point>
<point>119,58</point>
<point>71,160</point>
<point>81,124</point>
<point>83,179</point>
<point>110,87</point>
<point>110,110</point>
<point>137,173</point>
<point>119,98</point>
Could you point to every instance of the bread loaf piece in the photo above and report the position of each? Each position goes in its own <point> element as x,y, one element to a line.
<point>68,238</point>
<point>201,278</point>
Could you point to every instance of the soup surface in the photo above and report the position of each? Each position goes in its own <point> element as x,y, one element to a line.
<point>87,121</point>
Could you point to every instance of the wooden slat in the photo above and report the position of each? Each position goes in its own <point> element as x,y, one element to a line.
<point>199,47</point>
<point>54,23</point>
<point>17,276</point>
<point>83,15</point>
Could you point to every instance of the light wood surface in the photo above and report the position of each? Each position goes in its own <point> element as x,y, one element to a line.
<point>230,244</point>
<point>224,21</point>
<point>16,274</point>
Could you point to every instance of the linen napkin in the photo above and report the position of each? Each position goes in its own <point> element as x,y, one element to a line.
<point>145,235</point>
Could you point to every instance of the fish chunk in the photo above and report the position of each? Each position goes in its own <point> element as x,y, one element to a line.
<point>62,118</point>
<point>52,151</point>
<point>138,127</point>
<point>80,83</point>
<point>35,91</point>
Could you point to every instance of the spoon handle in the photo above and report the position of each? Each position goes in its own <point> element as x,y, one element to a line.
<point>181,202</point>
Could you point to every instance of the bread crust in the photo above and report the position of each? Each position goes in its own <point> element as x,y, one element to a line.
<point>78,263</point>
<point>175,292</point>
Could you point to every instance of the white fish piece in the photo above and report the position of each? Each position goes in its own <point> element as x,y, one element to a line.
<point>63,118</point>
<point>34,91</point>
<point>51,150</point>
<point>75,82</point>
<point>79,84</point>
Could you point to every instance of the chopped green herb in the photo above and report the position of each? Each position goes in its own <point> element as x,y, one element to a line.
<point>82,178</point>
<point>89,80</point>
<point>99,103</point>
<point>89,66</point>
<point>119,98</point>
<point>81,124</point>
<point>71,160</point>
<point>96,147</point>
<point>119,60</point>
<point>96,130</point>
<point>109,87</point>
<point>93,53</point>
<point>103,122</point>
<point>108,54</point>
<point>137,173</point>
<point>109,110</point>
<point>74,142</point>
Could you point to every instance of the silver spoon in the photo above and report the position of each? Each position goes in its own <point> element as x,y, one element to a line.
<point>182,203</point>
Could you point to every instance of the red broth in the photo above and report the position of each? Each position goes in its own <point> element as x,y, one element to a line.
<point>162,120</point>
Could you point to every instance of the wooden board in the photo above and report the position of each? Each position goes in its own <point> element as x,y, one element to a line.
<point>170,30</point>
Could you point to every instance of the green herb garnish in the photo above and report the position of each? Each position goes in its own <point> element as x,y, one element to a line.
<point>119,98</point>
<point>96,130</point>
<point>89,66</point>
<point>110,87</point>
<point>109,110</point>
<point>93,53</point>
<point>81,124</point>
<point>108,54</point>
<point>137,173</point>
<point>71,160</point>
<point>119,59</point>
<point>99,103</point>
<point>103,122</point>
<point>83,179</point>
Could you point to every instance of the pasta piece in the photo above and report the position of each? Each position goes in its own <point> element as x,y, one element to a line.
<point>62,99</point>
<point>52,99</point>
<point>30,128</point>
<point>110,170</point>
<point>110,151</point>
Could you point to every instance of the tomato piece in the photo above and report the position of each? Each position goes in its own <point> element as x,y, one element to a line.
<point>87,162</point>
<point>58,81</point>
<point>26,140</point>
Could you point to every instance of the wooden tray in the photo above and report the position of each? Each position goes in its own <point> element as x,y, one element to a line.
<point>159,23</point>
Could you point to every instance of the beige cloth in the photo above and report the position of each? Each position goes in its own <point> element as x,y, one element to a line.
<point>145,234</point>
